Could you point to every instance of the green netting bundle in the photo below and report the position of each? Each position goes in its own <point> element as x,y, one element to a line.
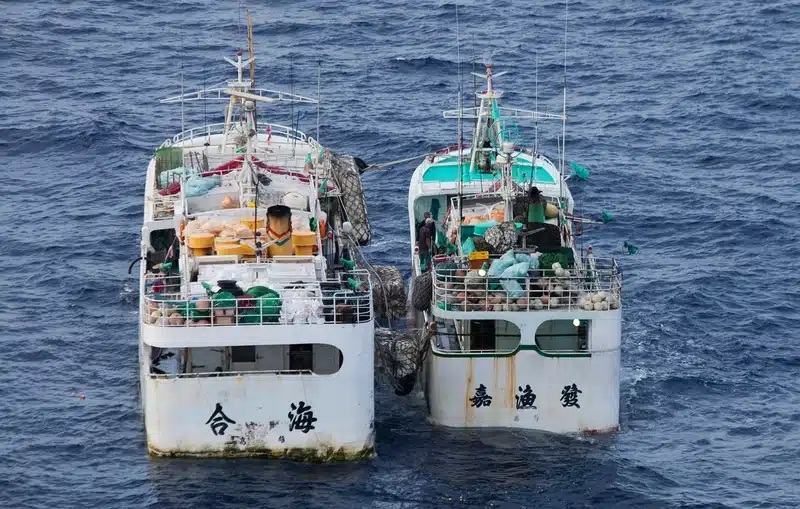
<point>268,304</point>
<point>198,314</point>
<point>223,300</point>
<point>562,257</point>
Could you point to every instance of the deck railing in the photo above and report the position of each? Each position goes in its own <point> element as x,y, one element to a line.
<point>218,374</point>
<point>166,304</point>
<point>276,130</point>
<point>460,289</point>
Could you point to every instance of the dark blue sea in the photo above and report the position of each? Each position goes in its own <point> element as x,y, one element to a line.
<point>686,112</point>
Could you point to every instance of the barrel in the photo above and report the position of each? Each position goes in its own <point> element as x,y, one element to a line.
<point>279,231</point>
<point>304,243</point>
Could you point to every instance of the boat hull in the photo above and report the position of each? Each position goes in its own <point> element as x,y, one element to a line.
<point>302,416</point>
<point>529,388</point>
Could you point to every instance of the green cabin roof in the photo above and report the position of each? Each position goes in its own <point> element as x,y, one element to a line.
<point>446,170</point>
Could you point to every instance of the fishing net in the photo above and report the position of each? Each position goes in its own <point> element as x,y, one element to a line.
<point>399,356</point>
<point>348,179</point>
<point>501,237</point>
<point>388,293</point>
<point>422,292</point>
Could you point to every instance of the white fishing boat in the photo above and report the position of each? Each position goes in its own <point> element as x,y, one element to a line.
<point>256,326</point>
<point>523,325</point>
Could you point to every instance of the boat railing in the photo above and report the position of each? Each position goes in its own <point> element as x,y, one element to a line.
<point>163,206</point>
<point>167,304</point>
<point>277,130</point>
<point>217,374</point>
<point>578,289</point>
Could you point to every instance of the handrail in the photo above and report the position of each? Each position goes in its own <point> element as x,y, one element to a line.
<point>219,128</point>
<point>581,290</point>
<point>216,374</point>
<point>166,303</point>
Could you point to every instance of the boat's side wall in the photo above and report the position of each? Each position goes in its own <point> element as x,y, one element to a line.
<point>454,382</point>
<point>180,412</point>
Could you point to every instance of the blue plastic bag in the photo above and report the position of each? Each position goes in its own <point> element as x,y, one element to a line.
<point>501,264</point>
<point>468,246</point>
<point>169,176</point>
<point>516,270</point>
<point>522,257</point>
<point>198,186</point>
<point>512,288</point>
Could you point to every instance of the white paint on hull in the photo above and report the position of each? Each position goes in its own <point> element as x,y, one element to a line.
<point>454,379</point>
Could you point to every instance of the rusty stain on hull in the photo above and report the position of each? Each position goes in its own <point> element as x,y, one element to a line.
<point>495,374</point>
<point>603,431</point>
<point>469,410</point>
<point>511,382</point>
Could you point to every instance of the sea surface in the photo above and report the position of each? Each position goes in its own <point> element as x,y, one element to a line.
<point>686,113</point>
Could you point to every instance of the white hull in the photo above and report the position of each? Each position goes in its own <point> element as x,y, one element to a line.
<point>289,373</point>
<point>451,380</point>
<point>177,410</point>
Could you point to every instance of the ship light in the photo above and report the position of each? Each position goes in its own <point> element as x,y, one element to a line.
<point>576,322</point>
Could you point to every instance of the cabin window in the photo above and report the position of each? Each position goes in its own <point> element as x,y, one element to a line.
<point>243,354</point>
<point>477,335</point>
<point>317,358</point>
<point>301,357</point>
<point>563,336</point>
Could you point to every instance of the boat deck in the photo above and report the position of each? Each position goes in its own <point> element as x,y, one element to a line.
<point>279,152</point>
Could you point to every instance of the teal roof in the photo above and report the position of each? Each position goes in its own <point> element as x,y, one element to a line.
<point>446,170</point>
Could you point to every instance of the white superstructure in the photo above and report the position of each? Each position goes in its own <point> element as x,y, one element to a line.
<point>256,328</point>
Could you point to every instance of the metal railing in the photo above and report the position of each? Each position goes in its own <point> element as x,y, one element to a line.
<point>580,289</point>
<point>167,304</point>
<point>216,374</point>
<point>219,128</point>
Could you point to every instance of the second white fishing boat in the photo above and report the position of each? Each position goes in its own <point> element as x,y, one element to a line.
<point>523,326</point>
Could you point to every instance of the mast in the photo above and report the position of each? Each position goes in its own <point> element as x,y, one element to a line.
<point>252,58</point>
<point>564,110</point>
<point>250,49</point>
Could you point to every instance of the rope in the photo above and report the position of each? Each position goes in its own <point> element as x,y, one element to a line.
<point>393,163</point>
<point>371,269</point>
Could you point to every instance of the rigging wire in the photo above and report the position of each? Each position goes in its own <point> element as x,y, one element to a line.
<point>182,116</point>
<point>460,128</point>
<point>205,105</point>
<point>291,102</point>
<point>564,107</point>
<point>239,25</point>
<point>319,92</point>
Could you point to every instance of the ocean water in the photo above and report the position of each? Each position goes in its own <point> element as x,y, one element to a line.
<point>685,111</point>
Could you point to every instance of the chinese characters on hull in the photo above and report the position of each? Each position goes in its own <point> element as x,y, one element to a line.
<point>569,396</point>
<point>526,398</point>
<point>481,398</point>
<point>301,418</point>
<point>219,421</point>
